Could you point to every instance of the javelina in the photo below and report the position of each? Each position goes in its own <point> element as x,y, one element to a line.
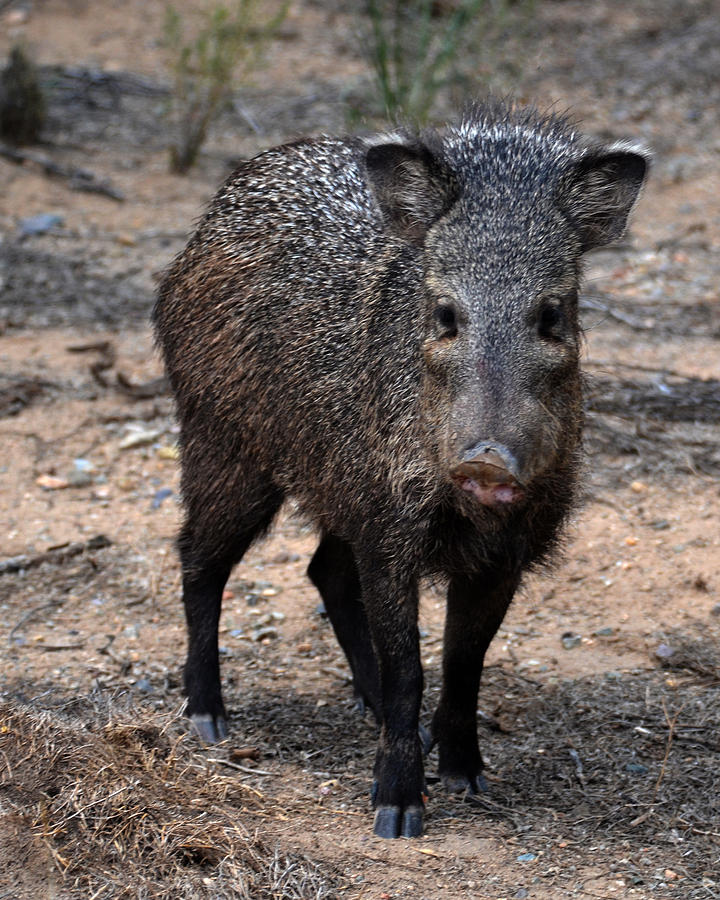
<point>386,330</point>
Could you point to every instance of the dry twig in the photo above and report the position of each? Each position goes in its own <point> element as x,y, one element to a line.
<point>78,179</point>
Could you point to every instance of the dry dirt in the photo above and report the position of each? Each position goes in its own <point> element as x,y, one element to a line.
<point>599,710</point>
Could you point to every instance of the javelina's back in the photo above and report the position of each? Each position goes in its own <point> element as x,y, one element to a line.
<point>286,322</point>
<point>386,329</point>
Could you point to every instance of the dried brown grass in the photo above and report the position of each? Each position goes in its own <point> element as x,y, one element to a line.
<point>124,808</point>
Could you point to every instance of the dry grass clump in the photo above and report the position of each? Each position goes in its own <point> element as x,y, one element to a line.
<point>118,808</point>
<point>623,761</point>
<point>696,651</point>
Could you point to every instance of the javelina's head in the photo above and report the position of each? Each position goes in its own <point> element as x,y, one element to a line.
<point>501,210</point>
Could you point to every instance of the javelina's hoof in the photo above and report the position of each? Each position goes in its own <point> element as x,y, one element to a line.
<point>459,784</point>
<point>208,728</point>
<point>361,705</point>
<point>392,822</point>
<point>426,740</point>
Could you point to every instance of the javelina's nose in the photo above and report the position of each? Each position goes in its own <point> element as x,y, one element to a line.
<point>490,472</point>
<point>489,463</point>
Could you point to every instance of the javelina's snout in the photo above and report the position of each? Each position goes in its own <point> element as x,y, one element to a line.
<point>489,472</point>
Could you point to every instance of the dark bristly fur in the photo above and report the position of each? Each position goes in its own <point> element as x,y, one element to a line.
<point>353,320</point>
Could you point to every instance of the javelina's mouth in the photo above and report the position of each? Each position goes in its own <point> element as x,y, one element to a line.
<point>488,478</point>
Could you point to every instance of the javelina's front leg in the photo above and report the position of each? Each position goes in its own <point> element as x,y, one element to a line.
<point>476,605</point>
<point>391,603</point>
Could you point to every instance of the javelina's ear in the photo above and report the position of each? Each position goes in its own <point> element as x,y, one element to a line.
<point>604,187</point>
<point>411,188</point>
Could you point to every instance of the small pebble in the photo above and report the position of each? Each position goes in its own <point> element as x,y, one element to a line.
<point>570,640</point>
<point>79,478</point>
<point>51,482</point>
<point>138,439</point>
<point>172,452</point>
<point>268,632</point>
<point>244,753</point>
<point>39,224</point>
<point>638,487</point>
<point>526,857</point>
<point>285,557</point>
<point>663,651</point>
<point>159,496</point>
<point>16,17</point>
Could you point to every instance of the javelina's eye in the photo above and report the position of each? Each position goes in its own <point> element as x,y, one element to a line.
<point>446,319</point>
<point>550,321</point>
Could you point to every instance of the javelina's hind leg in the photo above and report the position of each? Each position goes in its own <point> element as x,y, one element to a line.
<point>476,606</point>
<point>214,537</point>
<point>334,573</point>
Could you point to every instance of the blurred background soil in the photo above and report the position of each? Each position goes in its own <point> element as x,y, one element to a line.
<point>600,705</point>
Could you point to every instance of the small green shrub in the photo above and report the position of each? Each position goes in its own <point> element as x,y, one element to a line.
<point>207,66</point>
<point>415,47</point>
<point>22,104</point>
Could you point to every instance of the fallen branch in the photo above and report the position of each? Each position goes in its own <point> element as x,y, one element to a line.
<point>157,387</point>
<point>246,769</point>
<point>678,240</point>
<point>55,555</point>
<point>54,648</point>
<point>671,724</point>
<point>21,392</point>
<point>79,179</point>
<point>108,355</point>
<point>53,604</point>
<point>116,83</point>
<point>612,364</point>
<point>630,321</point>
